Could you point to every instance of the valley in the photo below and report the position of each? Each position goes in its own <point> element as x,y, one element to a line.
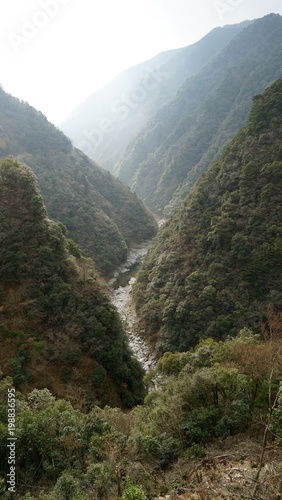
<point>121,297</point>
<point>141,280</point>
<point>99,213</point>
<point>164,161</point>
<point>104,124</point>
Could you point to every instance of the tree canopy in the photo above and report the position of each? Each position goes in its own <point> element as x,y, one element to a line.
<point>217,263</point>
<point>58,328</point>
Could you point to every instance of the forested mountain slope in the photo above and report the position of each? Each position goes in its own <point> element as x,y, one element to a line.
<point>101,214</point>
<point>217,264</point>
<point>164,161</point>
<point>104,124</point>
<point>206,421</point>
<point>58,328</point>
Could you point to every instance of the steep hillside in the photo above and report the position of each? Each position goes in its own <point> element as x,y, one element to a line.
<point>57,327</point>
<point>101,214</point>
<point>217,264</point>
<point>199,437</point>
<point>163,163</point>
<point>104,124</point>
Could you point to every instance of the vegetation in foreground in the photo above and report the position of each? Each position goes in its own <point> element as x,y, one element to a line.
<point>216,274</point>
<point>214,419</point>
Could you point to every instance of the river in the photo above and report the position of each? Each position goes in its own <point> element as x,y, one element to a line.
<point>121,297</point>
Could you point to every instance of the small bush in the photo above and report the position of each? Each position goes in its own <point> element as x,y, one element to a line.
<point>133,492</point>
<point>195,451</point>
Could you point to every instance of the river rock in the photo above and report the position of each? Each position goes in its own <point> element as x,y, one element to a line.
<point>122,300</point>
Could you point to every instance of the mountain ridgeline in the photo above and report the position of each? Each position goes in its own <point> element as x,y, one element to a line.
<point>100,213</point>
<point>217,264</point>
<point>58,328</point>
<point>208,294</point>
<point>175,147</point>
<point>105,123</point>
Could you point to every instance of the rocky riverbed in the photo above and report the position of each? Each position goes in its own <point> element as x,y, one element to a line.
<point>121,297</point>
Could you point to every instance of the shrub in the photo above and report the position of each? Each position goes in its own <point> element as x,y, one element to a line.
<point>133,492</point>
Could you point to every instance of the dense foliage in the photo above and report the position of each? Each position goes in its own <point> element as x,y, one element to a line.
<point>164,161</point>
<point>101,214</point>
<point>218,262</point>
<point>105,123</point>
<point>213,392</point>
<point>209,297</point>
<point>58,328</point>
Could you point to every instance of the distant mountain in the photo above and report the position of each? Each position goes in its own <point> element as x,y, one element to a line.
<point>58,329</point>
<point>164,161</point>
<point>217,264</point>
<point>104,124</point>
<point>100,213</point>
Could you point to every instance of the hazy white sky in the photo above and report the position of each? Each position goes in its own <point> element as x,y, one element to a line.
<point>55,53</point>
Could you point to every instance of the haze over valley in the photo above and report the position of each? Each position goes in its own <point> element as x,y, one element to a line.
<point>141,255</point>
